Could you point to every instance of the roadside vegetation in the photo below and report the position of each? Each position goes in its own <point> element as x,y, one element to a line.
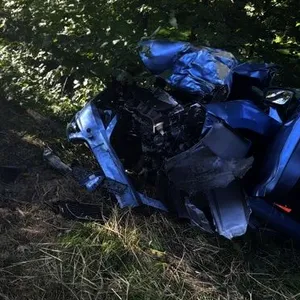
<point>54,56</point>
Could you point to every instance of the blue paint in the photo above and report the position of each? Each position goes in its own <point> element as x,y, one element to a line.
<point>280,169</point>
<point>274,218</point>
<point>244,114</point>
<point>194,70</point>
<point>91,129</point>
<point>198,70</point>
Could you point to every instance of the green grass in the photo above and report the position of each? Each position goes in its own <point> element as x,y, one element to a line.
<point>130,256</point>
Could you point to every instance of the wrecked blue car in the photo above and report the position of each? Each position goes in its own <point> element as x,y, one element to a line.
<point>211,141</point>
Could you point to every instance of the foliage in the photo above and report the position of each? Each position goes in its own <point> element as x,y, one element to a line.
<point>54,55</point>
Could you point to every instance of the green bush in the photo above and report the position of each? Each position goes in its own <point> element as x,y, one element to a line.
<point>57,54</point>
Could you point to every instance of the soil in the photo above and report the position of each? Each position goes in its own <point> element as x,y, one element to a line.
<point>26,218</point>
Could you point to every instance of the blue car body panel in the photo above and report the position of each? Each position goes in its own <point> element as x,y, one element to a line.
<point>280,169</point>
<point>92,130</point>
<point>271,216</point>
<point>197,70</point>
<point>243,114</point>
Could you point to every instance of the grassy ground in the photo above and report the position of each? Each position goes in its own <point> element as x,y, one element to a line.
<point>126,256</point>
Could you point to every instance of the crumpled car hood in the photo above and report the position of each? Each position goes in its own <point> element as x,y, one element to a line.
<point>218,161</point>
<point>198,70</point>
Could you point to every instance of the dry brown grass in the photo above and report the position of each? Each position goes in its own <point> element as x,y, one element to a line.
<point>131,256</point>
